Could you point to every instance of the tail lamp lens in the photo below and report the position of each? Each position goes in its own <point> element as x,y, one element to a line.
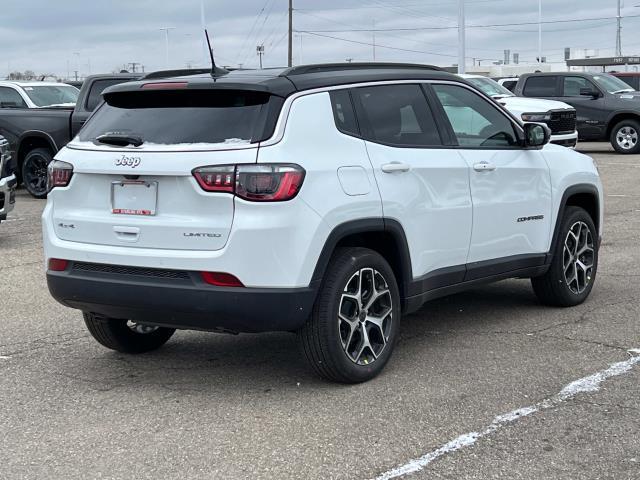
<point>256,183</point>
<point>216,179</point>
<point>57,265</point>
<point>221,279</point>
<point>59,174</point>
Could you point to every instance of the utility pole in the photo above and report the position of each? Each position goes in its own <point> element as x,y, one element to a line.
<point>260,51</point>
<point>619,34</point>
<point>166,40</point>
<point>133,66</point>
<point>290,56</point>
<point>461,37</point>
<point>374,40</point>
<point>540,32</point>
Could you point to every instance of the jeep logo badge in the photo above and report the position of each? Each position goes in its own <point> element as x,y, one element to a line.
<point>125,161</point>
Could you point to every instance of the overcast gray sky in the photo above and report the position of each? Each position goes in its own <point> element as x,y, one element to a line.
<point>51,36</point>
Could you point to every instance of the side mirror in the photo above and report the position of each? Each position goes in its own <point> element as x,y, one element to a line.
<point>536,135</point>
<point>589,92</point>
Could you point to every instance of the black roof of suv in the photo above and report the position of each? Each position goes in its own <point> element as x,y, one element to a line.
<point>285,81</point>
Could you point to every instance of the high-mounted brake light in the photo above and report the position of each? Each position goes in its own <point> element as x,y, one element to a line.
<point>221,279</point>
<point>58,265</point>
<point>59,174</point>
<point>256,183</point>
<point>164,85</point>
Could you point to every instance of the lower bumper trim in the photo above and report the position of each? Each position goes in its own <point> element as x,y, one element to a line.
<point>184,304</point>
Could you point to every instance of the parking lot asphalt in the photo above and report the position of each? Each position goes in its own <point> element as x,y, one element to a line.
<point>210,406</point>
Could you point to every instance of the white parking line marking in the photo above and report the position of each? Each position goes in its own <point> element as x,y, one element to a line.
<point>618,164</point>
<point>4,357</point>
<point>583,385</point>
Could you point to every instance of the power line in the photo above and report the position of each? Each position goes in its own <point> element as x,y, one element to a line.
<point>413,29</point>
<point>377,44</point>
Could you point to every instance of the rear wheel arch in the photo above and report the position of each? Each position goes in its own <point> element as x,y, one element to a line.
<point>617,118</point>
<point>30,141</point>
<point>384,236</point>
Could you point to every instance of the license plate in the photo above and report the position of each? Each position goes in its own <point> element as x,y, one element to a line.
<point>134,198</point>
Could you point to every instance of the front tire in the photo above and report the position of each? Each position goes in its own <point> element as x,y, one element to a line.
<point>34,171</point>
<point>355,321</point>
<point>625,137</point>
<point>573,269</point>
<point>126,336</point>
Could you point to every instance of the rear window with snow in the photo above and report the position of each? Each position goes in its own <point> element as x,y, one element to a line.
<point>174,117</point>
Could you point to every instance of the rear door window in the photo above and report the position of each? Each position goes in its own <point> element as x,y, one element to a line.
<point>183,117</point>
<point>95,92</point>
<point>396,115</point>
<point>510,84</point>
<point>540,86</point>
<point>9,98</point>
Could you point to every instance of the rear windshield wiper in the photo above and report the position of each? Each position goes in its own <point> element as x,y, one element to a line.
<point>120,140</point>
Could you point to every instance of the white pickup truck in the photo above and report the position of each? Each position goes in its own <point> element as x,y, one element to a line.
<point>558,116</point>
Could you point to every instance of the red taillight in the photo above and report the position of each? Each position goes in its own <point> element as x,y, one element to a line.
<point>58,265</point>
<point>268,183</point>
<point>216,179</point>
<point>220,279</point>
<point>164,85</point>
<point>59,174</point>
<point>257,183</point>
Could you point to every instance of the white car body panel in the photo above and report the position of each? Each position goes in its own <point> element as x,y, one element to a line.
<point>278,244</point>
<point>310,122</point>
<point>518,187</point>
<point>431,201</point>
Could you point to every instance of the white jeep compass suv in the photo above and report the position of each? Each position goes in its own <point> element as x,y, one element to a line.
<point>326,200</point>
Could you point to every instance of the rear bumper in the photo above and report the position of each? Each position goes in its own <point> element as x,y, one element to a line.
<point>7,195</point>
<point>184,303</point>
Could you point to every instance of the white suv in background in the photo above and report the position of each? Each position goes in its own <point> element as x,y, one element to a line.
<point>327,200</point>
<point>558,116</point>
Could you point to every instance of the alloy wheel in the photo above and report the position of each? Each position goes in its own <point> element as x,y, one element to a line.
<point>365,316</point>
<point>578,257</point>
<point>35,174</point>
<point>627,137</point>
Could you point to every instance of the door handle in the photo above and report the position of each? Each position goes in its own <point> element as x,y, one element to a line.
<point>484,167</point>
<point>394,167</point>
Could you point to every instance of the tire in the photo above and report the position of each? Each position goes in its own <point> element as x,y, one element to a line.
<point>324,336</point>
<point>34,171</point>
<point>117,335</point>
<point>625,137</point>
<point>570,286</point>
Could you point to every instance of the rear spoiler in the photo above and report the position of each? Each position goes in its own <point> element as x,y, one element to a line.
<point>183,73</point>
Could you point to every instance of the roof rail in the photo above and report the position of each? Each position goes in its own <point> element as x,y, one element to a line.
<point>335,67</point>
<point>182,73</point>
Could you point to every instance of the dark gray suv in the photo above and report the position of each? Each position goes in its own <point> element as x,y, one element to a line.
<point>607,108</point>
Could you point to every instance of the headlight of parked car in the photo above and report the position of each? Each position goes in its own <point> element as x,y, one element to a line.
<point>536,117</point>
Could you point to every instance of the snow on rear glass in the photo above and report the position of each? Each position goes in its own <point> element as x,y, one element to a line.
<point>180,117</point>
